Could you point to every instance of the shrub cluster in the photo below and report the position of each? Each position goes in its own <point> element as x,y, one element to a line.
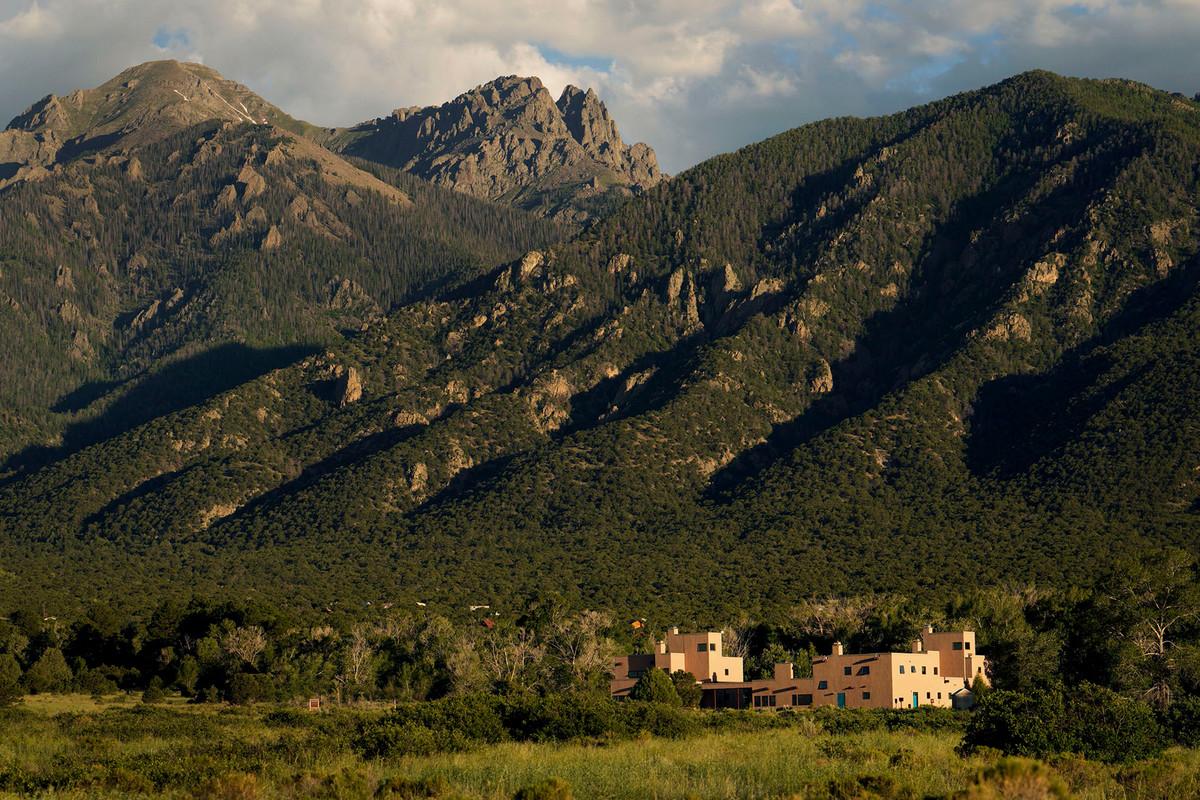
<point>1088,720</point>
<point>457,723</point>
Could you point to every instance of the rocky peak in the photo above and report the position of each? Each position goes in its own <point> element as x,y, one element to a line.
<point>149,100</point>
<point>508,140</point>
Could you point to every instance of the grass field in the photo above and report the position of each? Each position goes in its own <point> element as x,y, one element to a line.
<point>67,746</point>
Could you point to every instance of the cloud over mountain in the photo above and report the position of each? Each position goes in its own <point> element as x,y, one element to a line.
<point>692,78</point>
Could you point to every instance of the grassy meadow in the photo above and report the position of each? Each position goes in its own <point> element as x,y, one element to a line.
<point>78,746</point>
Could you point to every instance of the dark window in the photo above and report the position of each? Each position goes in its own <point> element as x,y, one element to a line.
<point>772,700</point>
<point>922,669</point>
<point>845,670</point>
<point>928,696</point>
<point>823,685</point>
<point>726,671</point>
<point>901,669</point>
<point>935,669</point>
<point>802,699</point>
<point>957,645</point>
<point>866,695</point>
<point>864,670</point>
<point>967,645</point>
<point>712,646</point>
<point>700,648</point>
<point>939,695</point>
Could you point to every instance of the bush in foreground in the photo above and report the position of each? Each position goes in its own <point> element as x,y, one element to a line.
<point>1088,720</point>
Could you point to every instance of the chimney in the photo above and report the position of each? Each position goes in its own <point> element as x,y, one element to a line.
<point>917,646</point>
<point>837,649</point>
<point>785,672</point>
<point>674,630</point>
<point>928,628</point>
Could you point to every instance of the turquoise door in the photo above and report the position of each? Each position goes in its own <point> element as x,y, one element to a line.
<point>842,699</point>
<point>915,700</point>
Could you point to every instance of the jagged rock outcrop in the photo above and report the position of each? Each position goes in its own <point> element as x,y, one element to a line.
<point>510,141</point>
<point>349,388</point>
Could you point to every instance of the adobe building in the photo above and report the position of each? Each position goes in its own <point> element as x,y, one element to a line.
<point>938,671</point>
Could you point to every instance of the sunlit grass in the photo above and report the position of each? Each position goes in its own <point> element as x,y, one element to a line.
<point>75,747</point>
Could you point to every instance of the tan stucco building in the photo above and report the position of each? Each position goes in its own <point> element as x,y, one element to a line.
<point>937,671</point>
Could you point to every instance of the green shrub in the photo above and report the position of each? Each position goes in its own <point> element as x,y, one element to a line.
<point>1016,778</point>
<point>687,689</point>
<point>249,687</point>
<point>154,691</point>
<point>49,673</point>
<point>565,717</point>
<point>552,789</point>
<point>658,719</point>
<point>1090,720</point>
<point>391,738</point>
<point>452,723</point>
<point>404,789</point>
<point>10,680</point>
<point>1182,721</point>
<point>655,686</point>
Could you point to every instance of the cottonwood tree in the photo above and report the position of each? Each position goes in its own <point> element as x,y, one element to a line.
<point>245,645</point>
<point>577,642</point>
<point>1152,600</point>
<point>509,657</point>
<point>829,618</point>
<point>358,658</point>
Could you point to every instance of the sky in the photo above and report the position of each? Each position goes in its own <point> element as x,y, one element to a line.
<point>692,78</point>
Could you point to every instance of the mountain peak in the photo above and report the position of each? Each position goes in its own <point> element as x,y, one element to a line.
<point>509,140</point>
<point>147,101</point>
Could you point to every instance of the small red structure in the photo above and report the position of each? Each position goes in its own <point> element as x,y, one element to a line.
<point>314,704</point>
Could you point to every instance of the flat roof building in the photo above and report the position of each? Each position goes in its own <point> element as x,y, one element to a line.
<point>939,667</point>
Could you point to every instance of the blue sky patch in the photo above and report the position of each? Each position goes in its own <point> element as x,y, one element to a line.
<point>171,38</point>
<point>555,56</point>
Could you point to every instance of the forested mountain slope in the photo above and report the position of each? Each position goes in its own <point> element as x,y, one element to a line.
<point>952,345</point>
<point>156,220</point>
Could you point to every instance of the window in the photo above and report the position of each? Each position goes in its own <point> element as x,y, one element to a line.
<point>935,669</point>
<point>901,669</point>
<point>802,699</point>
<point>922,669</point>
<point>957,645</point>
<point>979,669</point>
<point>939,695</point>
<point>866,695</point>
<point>700,648</point>
<point>823,684</point>
<point>864,670</point>
<point>712,646</point>
<point>726,670</point>
<point>845,670</point>
<point>764,701</point>
<point>967,645</point>
<point>928,696</point>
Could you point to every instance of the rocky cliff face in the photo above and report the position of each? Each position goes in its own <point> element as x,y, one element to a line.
<point>510,141</point>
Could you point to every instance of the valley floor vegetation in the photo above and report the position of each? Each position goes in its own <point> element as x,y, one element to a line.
<point>76,746</point>
<point>1093,693</point>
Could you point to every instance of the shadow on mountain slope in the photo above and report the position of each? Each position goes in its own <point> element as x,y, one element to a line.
<point>176,386</point>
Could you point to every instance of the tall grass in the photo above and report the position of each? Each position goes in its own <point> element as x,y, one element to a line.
<point>68,748</point>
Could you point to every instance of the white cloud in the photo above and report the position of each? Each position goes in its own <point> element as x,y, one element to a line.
<point>692,77</point>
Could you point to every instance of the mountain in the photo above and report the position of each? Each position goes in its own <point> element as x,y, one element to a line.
<point>509,141</point>
<point>141,105</point>
<point>946,348</point>
<point>170,215</point>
